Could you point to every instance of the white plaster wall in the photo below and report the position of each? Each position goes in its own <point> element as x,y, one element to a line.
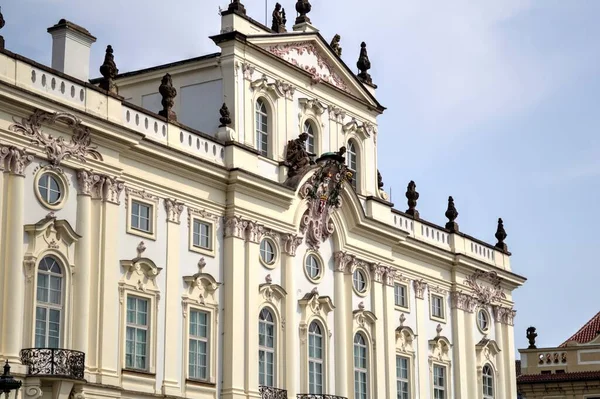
<point>200,104</point>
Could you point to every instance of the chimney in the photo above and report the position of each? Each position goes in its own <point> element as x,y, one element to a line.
<point>71,49</point>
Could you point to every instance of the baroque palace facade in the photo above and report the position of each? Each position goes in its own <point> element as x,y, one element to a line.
<point>152,246</point>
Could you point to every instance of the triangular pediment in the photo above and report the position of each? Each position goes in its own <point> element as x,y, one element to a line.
<point>310,53</point>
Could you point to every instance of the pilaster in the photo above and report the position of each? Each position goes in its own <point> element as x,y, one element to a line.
<point>291,243</point>
<point>234,325</point>
<point>461,304</point>
<point>16,161</point>
<point>390,334</point>
<point>422,340</point>
<point>380,376</point>
<point>502,371</point>
<point>3,193</point>
<point>109,189</point>
<point>509,355</point>
<point>170,383</point>
<point>471,352</point>
<point>343,265</point>
<point>254,233</point>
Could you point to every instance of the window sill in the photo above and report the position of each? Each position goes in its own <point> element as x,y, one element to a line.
<point>439,319</point>
<point>142,373</point>
<point>404,309</point>
<point>141,233</point>
<point>205,251</point>
<point>200,383</point>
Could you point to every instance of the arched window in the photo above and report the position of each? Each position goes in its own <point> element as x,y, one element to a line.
<point>488,382</point>
<point>315,359</point>
<point>266,348</point>
<point>360,367</point>
<point>49,304</point>
<point>310,142</point>
<point>353,162</point>
<point>262,128</point>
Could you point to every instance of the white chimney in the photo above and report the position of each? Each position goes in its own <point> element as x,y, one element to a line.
<point>71,49</point>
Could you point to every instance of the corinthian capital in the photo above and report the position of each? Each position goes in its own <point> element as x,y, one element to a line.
<point>291,243</point>
<point>390,275</point>
<point>86,181</point>
<point>254,231</point>
<point>343,262</point>
<point>234,226</point>
<point>173,209</point>
<point>378,272</point>
<point>14,160</point>
<point>419,286</point>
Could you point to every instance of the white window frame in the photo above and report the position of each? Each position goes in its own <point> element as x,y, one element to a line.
<point>62,186</point>
<point>358,370</point>
<point>432,307</point>
<point>403,380</point>
<point>146,199</point>
<point>490,379</point>
<point>49,306</point>
<point>135,327</point>
<point>259,114</point>
<point>207,340</point>
<point>352,156</point>
<point>365,276</point>
<point>312,254</point>
<point>317,361</point>
<point>486,328</point>
<point>272,264</point>
<point>309,127</point>
<point>437,388</point>
<point>266,349</point>
<point>406,304</point>
<point>211,236</point>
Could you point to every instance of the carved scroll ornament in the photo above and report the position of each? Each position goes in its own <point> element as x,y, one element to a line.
<point>57,149</point>
<point>486,294</point>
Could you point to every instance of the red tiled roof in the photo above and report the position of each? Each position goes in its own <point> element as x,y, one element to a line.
<point>587,333</point>
<point>561,377</point>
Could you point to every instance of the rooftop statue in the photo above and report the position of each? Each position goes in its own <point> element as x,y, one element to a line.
<point>297,158</point>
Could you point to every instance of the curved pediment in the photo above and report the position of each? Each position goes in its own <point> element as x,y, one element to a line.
<point>59,230</point>
<point>141,266</point>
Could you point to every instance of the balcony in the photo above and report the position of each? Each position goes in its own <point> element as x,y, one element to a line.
<point>47,362</point>
<point>318,396</point>
<point>272,393</point>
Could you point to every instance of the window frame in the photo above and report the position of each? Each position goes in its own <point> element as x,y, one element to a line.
<point>323,359</point>
<point>147,200</point>
<point>355,154</point>
<point>407,380</point>
<point>490,378</point>
<point>406,296</point>
<point>276,252</point>
<point>136,327</point>
<point>212,235</point>
<point>259,133</point>
<point>48,306</point>
<point>446,387</point>
<point>432,299</point>
<point>488,320</point>
<point>317,279</point>
<point>208,339</point>
<point>263,348</point>
<point>62,185</point>
<point>367,282</point>
<point>314,134</point>
<point>361,370</point>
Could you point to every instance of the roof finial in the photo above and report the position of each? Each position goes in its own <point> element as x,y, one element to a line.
<point>412,196</point>
<point>364,65</point>
<point>335,45</point>
<point>237,7</point>
<point>2,23</point>
<point>168,93</point>
<point>451,214</point>
<point>225,118</point>
<point>303,7</point>
<point>279,19</point>
<point>501,236</point>
<point>531,336</point>
<point>109,72</point>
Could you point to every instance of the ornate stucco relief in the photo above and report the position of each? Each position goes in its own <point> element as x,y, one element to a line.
<point>486,294</point>
<point>200,288</point>
<point>279,87</point>
<point>100,186</point>
<point>14,160</point>
<point>174,209</point>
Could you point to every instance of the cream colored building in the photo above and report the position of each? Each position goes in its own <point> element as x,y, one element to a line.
<point>147,257</point>
<point>569,371</point>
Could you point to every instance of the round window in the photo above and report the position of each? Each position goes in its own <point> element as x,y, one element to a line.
<point>359,281</point>
<point>483,320</point>
<point>312,266</point>
<point>267,251</point>
<point>50,189</point>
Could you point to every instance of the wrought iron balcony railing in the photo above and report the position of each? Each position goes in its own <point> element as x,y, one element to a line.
<point>318,396</point>
<point>54,362</point>
<point>272,393</point>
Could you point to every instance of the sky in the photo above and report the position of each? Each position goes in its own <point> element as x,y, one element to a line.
<point>493,102</point>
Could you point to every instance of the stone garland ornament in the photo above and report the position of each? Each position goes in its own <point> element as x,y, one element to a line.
<point>335,45</point>
<point>486,294</point>
<point>109,72</point>
<point>168,93</point>
<point>412,196</point>
<point>57,149</point>
<point>323,191</point>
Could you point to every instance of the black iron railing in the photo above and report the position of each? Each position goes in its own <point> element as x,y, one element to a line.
<point>54,362</point>
<point>272,393</point>
<point>318,396</point>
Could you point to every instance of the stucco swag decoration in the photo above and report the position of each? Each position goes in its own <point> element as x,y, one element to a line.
<point>486,294</point>
<point>57,149</point>
<point>323,193</point>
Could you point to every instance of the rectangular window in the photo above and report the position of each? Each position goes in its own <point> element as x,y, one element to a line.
<point>315,364</point>
<point>136,342</point>
<point>198,345</point>
<point>437,306</point>
<point>141,216</point>
<point>400,295</point>
<point>402,377</point>
<point>202,234</point>
<point>439,382</point>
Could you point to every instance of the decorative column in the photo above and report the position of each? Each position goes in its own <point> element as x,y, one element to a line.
<point>422,340</point>
<point>343,265</point>
<point>109,189</point>
<point>502,372</point>
<point>389,310</point>
<point>470,346</point>
<point>378,272</point>
<point>3,154</point>
<point>460,304</point>
<point>509,355</point>
<point>170,384</point>
<point>83,258</point>
<point>291,243</point>
<point>254,233</point>
<point>234,278</point>
<point>14,284</point>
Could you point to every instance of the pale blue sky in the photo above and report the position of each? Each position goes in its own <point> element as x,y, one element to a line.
<point>494,103</point>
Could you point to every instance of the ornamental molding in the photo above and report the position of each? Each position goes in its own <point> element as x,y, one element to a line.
<point>364,129</point>
<point>247,70</point>
<point>141,194</point>
<point>462,301</point>
<point>405,338</point>
<point>390,276</point>
<point>343,261</point>
<point>314,105</point>
<point>139,275</point>
<point>201,213</point>
<point>306,56</point>
<point>378,271</point>
<point>291,242</point>
<point>279,87</point>
<point>419,287</point>
<point>439,349</point>
<point>14,160</point>
<point>437,289</point>
<point>272,293</point>
<point>200,288</point>
<point>174,209</point>
<point>504,315</point>
<point>312,304</point>
<point>486,294</point>
<point>336,114</point>
<point>234,227</point>
<point>100,186</point>
<point>323,193</point>
<point>364,319</point>
<point>56,148</point>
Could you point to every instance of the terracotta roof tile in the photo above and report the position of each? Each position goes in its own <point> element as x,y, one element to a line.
<point>561,377</point>
<point>587,333</point>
